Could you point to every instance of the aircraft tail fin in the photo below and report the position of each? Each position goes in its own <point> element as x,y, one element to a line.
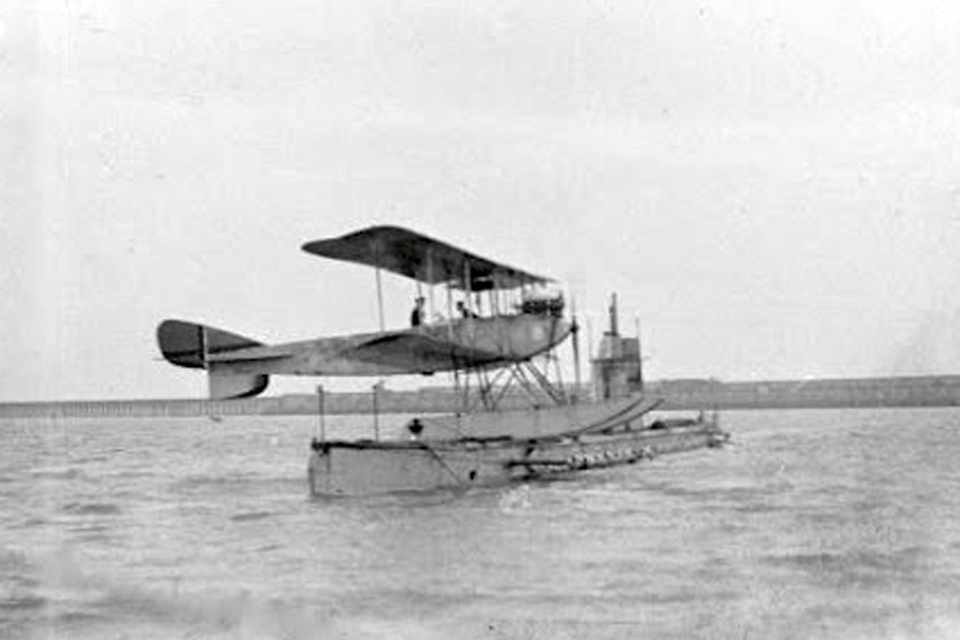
<point>189,344</point>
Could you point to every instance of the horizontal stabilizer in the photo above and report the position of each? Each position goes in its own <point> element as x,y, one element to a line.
<point>188,344</point>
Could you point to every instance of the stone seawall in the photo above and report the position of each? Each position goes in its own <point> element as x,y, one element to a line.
<point>924,391</point>
<point>425,401</point>
<point>920,391</point>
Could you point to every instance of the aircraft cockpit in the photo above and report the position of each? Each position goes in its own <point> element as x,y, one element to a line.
<point>543,305</point>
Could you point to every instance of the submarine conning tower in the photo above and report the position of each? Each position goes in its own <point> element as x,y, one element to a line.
<point>617,370</point>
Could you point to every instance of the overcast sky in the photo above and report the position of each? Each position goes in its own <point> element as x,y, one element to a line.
<point>772,187</point>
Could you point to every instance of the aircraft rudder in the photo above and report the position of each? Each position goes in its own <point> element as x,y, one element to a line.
<point>182,343</point>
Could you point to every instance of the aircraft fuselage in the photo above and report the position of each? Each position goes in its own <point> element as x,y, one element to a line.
<point>463,343</point>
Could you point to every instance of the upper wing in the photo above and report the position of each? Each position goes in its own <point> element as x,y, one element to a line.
<point>422,258</point>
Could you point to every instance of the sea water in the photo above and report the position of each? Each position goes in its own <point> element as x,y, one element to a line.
<point>810,524</point>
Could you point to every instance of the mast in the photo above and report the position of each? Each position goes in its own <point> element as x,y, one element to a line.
<point>449,312</point>
<point>613,315</point>
<point>376,387</point>
<point>469,307</point>
<point>379,287</point>
<point>466,285</point>
<point>575,330</point>
<point>639,356</point>
<point>321,411</point>
<point>430,281</point>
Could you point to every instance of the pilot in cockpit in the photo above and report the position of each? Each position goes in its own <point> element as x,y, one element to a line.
<point>464,311</point>
<point>416,316</point>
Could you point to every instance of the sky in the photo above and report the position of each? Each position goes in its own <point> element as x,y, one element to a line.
<point>772,188</point>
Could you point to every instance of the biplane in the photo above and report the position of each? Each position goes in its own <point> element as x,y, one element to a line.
<point>507,331</point>
<point>505,319</point>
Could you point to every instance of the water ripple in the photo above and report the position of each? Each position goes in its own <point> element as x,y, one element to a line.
<point>91,509</point>
<point>203,529</point>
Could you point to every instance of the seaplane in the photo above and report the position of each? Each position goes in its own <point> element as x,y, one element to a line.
<point>503,335</point>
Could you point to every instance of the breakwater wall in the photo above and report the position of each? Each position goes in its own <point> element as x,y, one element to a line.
<point>840,393</point>
<point>918,391</point>
<point>340,403</point>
